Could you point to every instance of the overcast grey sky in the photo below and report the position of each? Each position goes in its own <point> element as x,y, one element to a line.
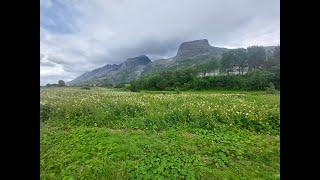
<point>80,35</point>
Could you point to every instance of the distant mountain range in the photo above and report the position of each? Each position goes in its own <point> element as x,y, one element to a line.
<point>189,54</point>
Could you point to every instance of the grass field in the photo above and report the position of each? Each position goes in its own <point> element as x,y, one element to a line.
<point>109,134</point>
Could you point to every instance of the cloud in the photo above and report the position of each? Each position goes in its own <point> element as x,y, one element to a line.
<point>80,35</point>
<point>45,3</point>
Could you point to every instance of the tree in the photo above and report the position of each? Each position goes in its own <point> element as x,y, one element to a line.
<point>240,59</point>
<point>227,61</point>
<point>235,57</point>
<point>52,85</point>
<point>256,57</point>
<point>212,64</point>
<point>61,83</point>
<point>273,63</point>
<point>162,84</point>
<point>276,53</point>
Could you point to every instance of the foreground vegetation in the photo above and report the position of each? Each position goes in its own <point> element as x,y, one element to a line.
<point>101,133</point>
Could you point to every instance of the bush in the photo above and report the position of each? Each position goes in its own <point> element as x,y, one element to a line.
<point>271,89</point>
<point>177,91</point>
<point>119,86</point>
<point>85,87</point>
<point>169,89</point>
<point>127,87</point>
<point>134,87</point>
<point>259,80</point>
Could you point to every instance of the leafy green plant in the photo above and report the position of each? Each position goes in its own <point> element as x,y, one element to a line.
<point>271,89</point>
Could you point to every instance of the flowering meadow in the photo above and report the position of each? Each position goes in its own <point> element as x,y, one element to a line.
<point>102,133</point>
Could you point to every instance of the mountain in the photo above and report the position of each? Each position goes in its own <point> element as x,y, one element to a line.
<point>95,74</point>
<point>189,54</point>
<point>127,71</point>
<point>198,47</point>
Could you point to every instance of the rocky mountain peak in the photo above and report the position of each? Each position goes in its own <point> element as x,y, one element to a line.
<point>193,48</point>
<point>140,60</point>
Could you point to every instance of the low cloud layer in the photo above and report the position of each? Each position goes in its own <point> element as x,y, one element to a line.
<point>80,35</point>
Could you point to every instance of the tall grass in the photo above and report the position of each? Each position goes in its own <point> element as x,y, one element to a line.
<point>101,108</point>
<point>106,134</point>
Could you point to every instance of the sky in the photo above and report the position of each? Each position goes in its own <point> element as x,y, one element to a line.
<point>77,36</point>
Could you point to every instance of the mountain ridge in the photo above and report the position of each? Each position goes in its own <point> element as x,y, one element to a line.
<point>188,54</point>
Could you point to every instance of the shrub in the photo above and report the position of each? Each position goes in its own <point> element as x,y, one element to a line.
<point>259,80</point>
<point>119,86</point>
<point>85,87</point>
<point>271,89</point>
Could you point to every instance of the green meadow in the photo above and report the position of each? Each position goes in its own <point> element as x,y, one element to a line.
<point>101,133</point>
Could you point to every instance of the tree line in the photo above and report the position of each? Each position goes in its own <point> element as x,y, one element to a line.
<point>253,58</point>
<point>60,84</point>
<point>256,71</point>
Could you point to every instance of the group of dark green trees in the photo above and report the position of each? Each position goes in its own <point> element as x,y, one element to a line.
<point>249,59</point>
<point>60,84</point>
<point>254,71</point>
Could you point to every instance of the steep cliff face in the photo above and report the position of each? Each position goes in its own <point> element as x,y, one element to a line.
<point>136,61</point>
<point>198,47</point>
<point>193,48</point>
